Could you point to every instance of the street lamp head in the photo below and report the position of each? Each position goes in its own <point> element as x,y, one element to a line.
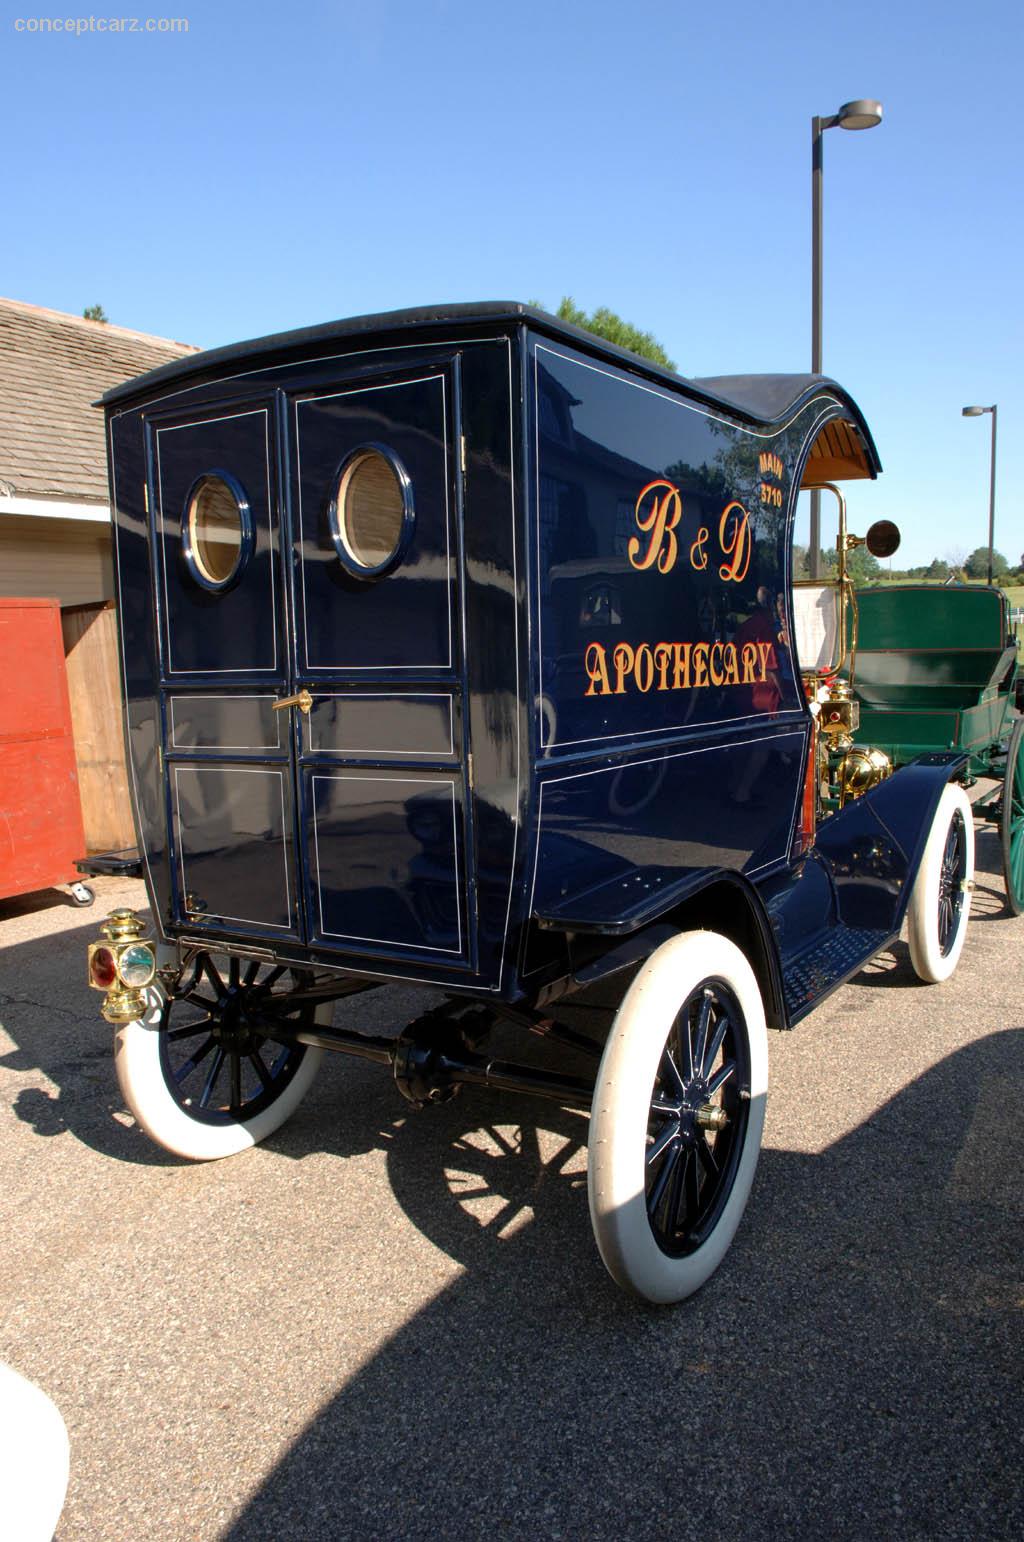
<point>863,114</point>
<point>979,412</point>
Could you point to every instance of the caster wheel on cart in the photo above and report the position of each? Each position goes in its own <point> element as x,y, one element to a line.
<point>203,1072</point>
<point>941,901</point>
<point>1012,821</point>
<point>82,894</point>
<point>677,1117</point>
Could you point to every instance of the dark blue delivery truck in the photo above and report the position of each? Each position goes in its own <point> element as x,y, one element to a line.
<point>461,648</point>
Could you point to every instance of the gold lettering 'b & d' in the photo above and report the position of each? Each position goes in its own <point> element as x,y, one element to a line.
<point>659,508</point>
<point>672,666</point>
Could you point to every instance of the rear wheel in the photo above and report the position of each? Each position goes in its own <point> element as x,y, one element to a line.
<point>1012,821</point>
<point>941,901</point>
<point>677,1117</point>
<point>206,1072</point>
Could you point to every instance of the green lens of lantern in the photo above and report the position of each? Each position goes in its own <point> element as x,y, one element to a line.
<point>137,965</point>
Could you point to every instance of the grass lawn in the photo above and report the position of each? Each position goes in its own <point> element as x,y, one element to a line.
<point>1014,592</point>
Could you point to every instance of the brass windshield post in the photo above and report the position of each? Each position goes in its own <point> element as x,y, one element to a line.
<point>840,712</point>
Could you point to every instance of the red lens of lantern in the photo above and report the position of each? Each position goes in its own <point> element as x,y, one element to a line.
<point>103,968</point>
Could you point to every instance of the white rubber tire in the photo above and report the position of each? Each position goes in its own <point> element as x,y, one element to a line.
<point>926,955</point>
<point>621,1108</point>
<point>35,1459</point>
<point>140,1073</point>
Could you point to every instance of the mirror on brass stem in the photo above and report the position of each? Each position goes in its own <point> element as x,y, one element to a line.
<point>883,538</point>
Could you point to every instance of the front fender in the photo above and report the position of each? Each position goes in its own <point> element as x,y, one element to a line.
<point>874,846</point>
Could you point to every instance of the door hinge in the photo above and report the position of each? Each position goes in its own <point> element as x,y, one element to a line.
<point>145,495</point>
<point>462,453</point>
<point>469,770</point>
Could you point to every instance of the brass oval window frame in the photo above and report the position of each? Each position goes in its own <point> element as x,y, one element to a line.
<point>343,546</point>
<point>246,537</point>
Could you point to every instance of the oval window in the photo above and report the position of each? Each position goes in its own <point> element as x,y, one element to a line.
<point>371,513</point>
<point>217,532</point>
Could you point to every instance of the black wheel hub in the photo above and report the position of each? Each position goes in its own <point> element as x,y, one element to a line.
<point>952,874</point>
<point>685,1111</point>
<point>237,1021</point>
<point>698,1118</point>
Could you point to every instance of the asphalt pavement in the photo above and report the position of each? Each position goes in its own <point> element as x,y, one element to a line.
<point>385,1323</point>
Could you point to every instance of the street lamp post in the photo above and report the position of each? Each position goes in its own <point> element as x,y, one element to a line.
<point>978,412</point>
<point>861,114</point>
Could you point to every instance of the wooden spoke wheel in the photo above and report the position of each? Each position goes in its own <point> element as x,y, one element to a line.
<point>1012,820</point>
<point>209,1071</point>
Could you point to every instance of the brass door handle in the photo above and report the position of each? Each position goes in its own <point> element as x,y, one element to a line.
<point>303,700</point>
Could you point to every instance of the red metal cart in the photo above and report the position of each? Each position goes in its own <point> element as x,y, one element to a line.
<point>40,813</point>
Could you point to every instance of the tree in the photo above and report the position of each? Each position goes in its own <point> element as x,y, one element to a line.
<point>94,313</point>
<point>605,323</point>
<point>976,564</point>
<point>827,562</point>
<point>937,569</point>
<point>862,567</point>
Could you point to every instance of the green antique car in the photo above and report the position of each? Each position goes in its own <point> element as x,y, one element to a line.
<point>936,668</point>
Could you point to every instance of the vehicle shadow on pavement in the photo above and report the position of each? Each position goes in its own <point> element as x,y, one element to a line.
<point>854,1367</point>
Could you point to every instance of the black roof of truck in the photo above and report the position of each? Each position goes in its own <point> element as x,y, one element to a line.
<point>761,399</point>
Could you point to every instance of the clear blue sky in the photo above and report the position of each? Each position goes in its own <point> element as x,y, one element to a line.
<point>277,167</point>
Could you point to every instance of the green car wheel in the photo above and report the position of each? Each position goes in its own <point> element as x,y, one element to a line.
<point>1012,822</point>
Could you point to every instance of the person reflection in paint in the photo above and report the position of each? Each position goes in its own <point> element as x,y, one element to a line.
<point>761,626</point>
<point>783,646</point>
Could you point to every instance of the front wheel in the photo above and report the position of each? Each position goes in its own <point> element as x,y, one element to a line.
<point>204,1072</point>
<point>941,900</point>
<point>677,1117</point>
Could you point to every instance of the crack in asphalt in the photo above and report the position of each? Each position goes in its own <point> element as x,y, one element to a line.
<point>42,1006</point>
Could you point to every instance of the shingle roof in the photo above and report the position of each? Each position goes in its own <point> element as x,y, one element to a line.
<point>52,368</point>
